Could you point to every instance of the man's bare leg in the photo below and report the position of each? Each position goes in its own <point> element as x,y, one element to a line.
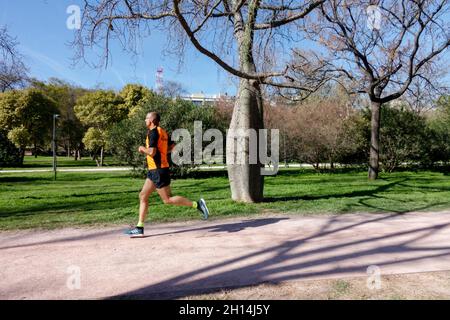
<point>166,196</point>
<point>145,193</point>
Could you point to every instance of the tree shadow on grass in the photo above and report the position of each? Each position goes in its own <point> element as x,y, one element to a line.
<point>351,194</point>
<point>72,206</point>
<point>13,179</point>
<point>78,195</point>
<point>47,177</point>
<point>367,195</point>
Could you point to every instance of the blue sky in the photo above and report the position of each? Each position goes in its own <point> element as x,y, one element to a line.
<point>40,27</point>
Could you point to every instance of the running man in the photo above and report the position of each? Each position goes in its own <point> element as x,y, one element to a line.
<point>157,147</point>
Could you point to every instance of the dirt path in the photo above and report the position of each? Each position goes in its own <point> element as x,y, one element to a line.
<point>406,286</point>
<point>195,258</point>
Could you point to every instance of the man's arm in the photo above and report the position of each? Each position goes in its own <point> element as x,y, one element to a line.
<point>153,143</point>
<point>148,151</point>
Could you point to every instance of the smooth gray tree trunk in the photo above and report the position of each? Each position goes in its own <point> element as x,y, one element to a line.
<point>246,181</point>
<point>101,157</point>
<point>374,141</point>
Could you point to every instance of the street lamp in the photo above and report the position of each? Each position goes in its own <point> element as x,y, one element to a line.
<point>54,144</point>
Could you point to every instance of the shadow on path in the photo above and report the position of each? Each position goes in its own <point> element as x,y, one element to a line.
<point>282,268</point>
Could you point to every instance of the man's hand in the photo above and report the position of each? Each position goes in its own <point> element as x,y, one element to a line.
<point>147,151</point>
<point>142,150</point>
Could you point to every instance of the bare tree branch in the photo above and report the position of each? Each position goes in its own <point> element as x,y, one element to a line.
<point>289,18</point>
<point>13,72</point>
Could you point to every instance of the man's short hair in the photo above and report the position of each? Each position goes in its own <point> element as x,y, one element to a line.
<point>156,118</point>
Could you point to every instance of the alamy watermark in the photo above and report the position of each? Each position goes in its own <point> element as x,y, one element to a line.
<point>73,281</point>
<point>73,22</point>
<point>374,277</point>
<point>248,146</point>
<point>373,17</point>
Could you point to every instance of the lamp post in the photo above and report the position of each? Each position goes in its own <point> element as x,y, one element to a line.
<point>54,144</point>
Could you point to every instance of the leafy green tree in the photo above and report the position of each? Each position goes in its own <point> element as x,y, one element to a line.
<point>70,129</point>
<point>27,117</point>
<point>95,140</point>
<point>437,147</point>
<point>444,102</point>
<point>402,136</point>
<point>126,136</point>
<point>135,97</point>
<point>353,148</point>
<point>35,112</point>
<point>9,154</point>
<point>20,136</point>
<point>8,103</point>
<point>99,110</point>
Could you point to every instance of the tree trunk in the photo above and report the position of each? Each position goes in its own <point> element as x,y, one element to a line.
<point>374,141</point>
<point>284,148</point>
<point>246,181</point>
<point>22,155</point>
<point>101,157</point>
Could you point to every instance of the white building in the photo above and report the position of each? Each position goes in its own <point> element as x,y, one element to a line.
<point>201,99</point>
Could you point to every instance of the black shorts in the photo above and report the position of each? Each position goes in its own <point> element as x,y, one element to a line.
<point>160,177</point>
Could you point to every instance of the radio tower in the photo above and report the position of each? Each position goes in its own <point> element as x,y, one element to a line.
<point>159,80</point>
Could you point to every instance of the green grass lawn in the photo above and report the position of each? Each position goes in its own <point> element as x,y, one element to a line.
<point>41,162</point>
<point>77,199</point>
